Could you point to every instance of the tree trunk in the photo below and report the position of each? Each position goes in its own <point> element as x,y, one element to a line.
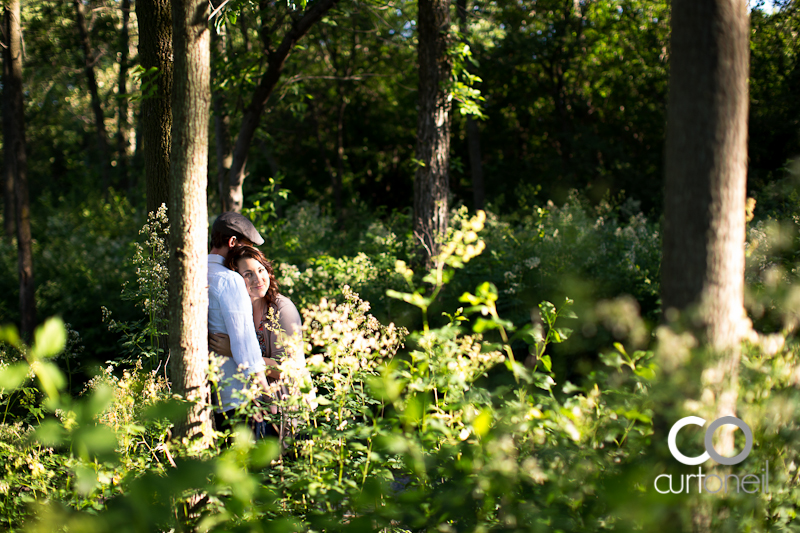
<point>188,298</point>
<point>16,161</point>
<point>253,112</point>
<point>123,125</point>
<point>473,134</point>
<point>9,227</point>
<point>431,182</point>
<point>91,80</point>
<point>706,170</point>
<point>222,123</point>
<point>155,51</point>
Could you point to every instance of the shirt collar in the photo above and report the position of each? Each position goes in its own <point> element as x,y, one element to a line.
<point>214,258</point>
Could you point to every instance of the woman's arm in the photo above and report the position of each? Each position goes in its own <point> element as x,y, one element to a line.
<point>221,344</point>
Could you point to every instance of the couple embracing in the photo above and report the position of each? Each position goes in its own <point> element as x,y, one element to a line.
<point>241,291</point>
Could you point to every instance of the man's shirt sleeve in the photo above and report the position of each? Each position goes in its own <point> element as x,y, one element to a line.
<point>237,312</point>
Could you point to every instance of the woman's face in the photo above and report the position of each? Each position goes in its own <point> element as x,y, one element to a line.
<point>256,277</point>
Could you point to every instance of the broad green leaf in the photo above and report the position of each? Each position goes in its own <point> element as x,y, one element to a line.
<point>13,376</point>
<point>548,365</point>
<point>50,433</point>
<point>645,372</point>
<point>482,324</point>
<point>49,339</point>
<point>93,441</point>
<point>10,335</point>
<point>50,377</point>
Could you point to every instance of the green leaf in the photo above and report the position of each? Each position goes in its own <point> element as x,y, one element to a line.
<point>636,415</point>
<point>50,433</point>
<point>50,377</point>
<point>482,324</point>
<point>548,365</point>
<point>645,372</point>
<point>611,359</point>
<point>13,376</point>
<point>560,334</point>
<point>469,298</point>
<point>482,423</point>
<point>548,311</point>
<point>10,335</point>
<point>487,291</point>
<point>49,339</point>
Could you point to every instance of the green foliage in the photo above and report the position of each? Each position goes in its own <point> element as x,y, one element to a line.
<point>452,426</point>
<point>145,339</point>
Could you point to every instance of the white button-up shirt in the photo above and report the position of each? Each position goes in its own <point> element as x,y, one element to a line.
<point>231,312</point>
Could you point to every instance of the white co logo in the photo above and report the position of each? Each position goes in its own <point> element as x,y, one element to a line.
<point>711,453</point>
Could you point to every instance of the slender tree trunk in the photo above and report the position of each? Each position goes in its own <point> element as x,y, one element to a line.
<point>706,170</point>
<point>91,80</point>
<point>431,182</point>
<point>16,161</point>
<point>123,126</point>
<point>252,113</point>
<point>188,298</point>
<point>473,134</point>
<point>155,51</point>
<point>9,227</point>
<point>222,123</point>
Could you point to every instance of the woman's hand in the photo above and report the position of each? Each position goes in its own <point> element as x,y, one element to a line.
<point>220,343</point>
<point>272,368</point>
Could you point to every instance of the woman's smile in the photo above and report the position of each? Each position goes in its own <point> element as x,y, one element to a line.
<point>256,277</point>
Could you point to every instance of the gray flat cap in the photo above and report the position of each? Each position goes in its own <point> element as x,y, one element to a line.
<point>236,225</point>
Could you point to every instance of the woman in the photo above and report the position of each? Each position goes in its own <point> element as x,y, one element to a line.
<point>262,287</point>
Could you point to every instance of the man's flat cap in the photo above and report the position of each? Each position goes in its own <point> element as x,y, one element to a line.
<point>235,225</point>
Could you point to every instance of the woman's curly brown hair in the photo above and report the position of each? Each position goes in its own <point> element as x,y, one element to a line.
<point>244,251</point>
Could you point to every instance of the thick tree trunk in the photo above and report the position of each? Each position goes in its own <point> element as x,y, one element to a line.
<point>91,80</point>
<point>188,298</point>
<point>253,112</point>
<point>123,124</point>
<point>155,51</point>
<point>222,123</point>
<point>706,170</point>
<point>473,134</point>
<point>431,182</point>
<point>16,161</point>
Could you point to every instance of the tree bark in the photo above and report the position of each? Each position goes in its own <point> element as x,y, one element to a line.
<point>91,80</point>
<point>123,124</point>
<point>431,182</point>
<point>222,123</point>
<point>17,163</point>
<point>188,298</point>
<point>9,227</point>
<point>706,171</point>
<point>473,134</point>
<point>155,51</point>
<point>252,113</point>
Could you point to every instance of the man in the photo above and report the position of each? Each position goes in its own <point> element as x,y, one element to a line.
<point>230,312</point>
